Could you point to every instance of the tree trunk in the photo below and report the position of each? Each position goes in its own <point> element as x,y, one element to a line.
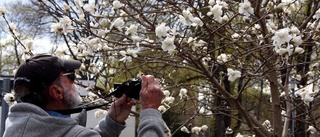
<point>275,95</point>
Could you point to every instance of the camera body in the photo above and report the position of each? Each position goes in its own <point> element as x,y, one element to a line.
<point>131,88</point>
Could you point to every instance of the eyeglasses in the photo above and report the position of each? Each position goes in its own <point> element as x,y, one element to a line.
<point>70,75</point>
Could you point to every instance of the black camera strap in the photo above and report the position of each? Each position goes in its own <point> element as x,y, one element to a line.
<point>130,87</point>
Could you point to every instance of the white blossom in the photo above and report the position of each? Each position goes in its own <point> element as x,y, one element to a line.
<point>166,93</point>
<point>167,132</point>
<point>168,44</point>
<point>185,129</point>
<point>282,36</point>
<point>310,74</point>
<point>307,94</point>
<point>298,77</point>
<point>311,129</point>
<point>162,108</point>
<point>282,51</point>
<point>223,58</point>
<point>118,23</point>
<point>183,92</point>
<point>191,39</point>
<point>12,26</point>
<point>290,49</point>
<point>257,26</point>
<point>88,88</point>
<point>211,2</point>
<point>225,18</point>
<point>197,22</point>
<point>79,3</point>
<point>229,131</point>
<point>204,128</point>
<point>89,8</point>
<point>200,43</point>
<point>104,22</point>
<point>206,60</point>
<point>317,14</point>
<point>297,40</point>
<point>135,38</point>
<point>294,30</point>
<point>216,11</point>
<point>80,56</point>
<point>64,26</point>
<point>92,96</point>
<point>127,55</point>
<point>9,98</point>
<point>271,26</point>
<point>200,96</point>
<point>59,52</point>
<point>315,65</point>
<point>302,1</point>
<point>186,17</point>
<point>195,130</point>
<point>81,18</point>
<point>308,97</point>
<point>2,11</point>
<point>29,43</point>
<point>282,94</point>
<point>239,135</point>
<point>161,30</point>
<point>233,74</point>
<point>267,124</point>
<point>202,110</point>
<point>66,6</point>
<point>101,33</point>
<point>299,50</point>
<point>126,58</point>
<point>133,52</point>
<point>132,29</point>
<point>223,4</point>
<point>100,113</point>
<point>117,5</point>
<point>245,8</point>
<point>170,100</point>
<point>235,36</point>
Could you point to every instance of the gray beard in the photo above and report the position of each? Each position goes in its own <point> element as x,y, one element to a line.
<point>71,97</point>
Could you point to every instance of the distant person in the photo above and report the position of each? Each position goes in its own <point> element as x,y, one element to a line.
<point>44,84</point>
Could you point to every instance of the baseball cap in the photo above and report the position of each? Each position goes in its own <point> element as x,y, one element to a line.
<point>39,71</point>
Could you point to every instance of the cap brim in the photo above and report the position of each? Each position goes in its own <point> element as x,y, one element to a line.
<point>71,64</point>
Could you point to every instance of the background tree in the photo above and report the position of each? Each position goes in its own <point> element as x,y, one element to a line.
<point>23,24</point>
<point>210,55</point>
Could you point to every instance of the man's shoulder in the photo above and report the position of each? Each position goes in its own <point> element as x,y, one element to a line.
<point>26,108</point>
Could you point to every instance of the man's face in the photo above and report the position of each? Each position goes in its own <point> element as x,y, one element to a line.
<point>70,96</point>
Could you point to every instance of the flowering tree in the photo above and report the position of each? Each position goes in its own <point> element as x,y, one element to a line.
<point>208,54</point>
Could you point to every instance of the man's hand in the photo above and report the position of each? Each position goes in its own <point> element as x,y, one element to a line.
<point>150,94</point>
<point>120,109</point>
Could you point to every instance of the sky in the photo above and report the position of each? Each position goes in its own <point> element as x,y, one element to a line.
<point>2,1</point>
<point>6,1</point>
<point>41,45</point>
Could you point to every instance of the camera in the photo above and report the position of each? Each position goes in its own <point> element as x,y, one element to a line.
<point>131,88</point>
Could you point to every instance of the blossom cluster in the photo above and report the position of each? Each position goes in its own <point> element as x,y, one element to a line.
<point>195,129</point>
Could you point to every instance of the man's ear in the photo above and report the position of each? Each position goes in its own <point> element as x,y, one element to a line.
<point>56,92</point>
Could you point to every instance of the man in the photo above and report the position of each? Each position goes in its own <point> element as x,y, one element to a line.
<point>44,84</point>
